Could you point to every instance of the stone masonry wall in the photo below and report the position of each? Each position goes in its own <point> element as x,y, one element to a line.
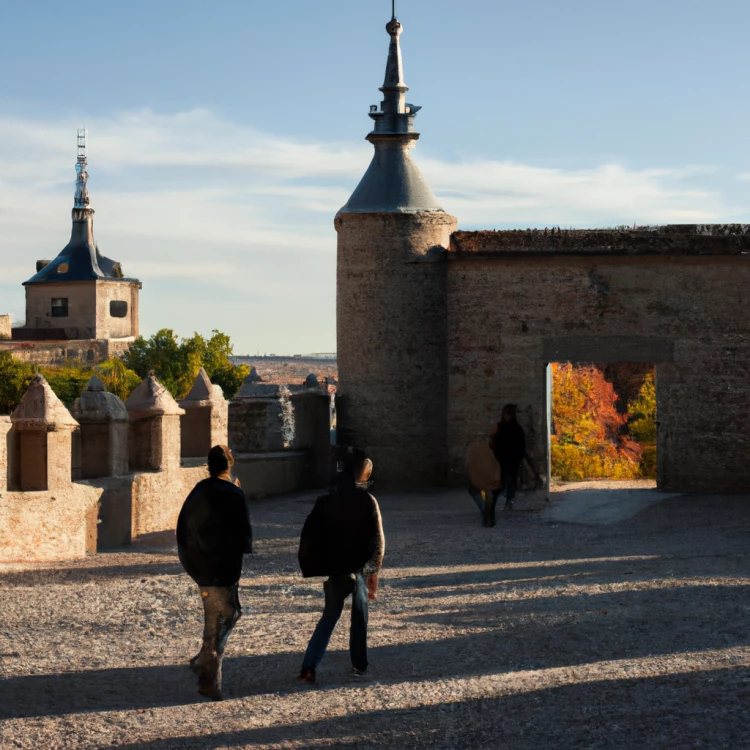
<point>81,318</point>
<point>47,526</point>
<point>5,327</point>
<point>87,351</point>
<point>517,301</point>
<point>111,327</point>
<point>391,343</point>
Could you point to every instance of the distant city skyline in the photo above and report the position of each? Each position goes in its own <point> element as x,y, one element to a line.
<point>221,145</point>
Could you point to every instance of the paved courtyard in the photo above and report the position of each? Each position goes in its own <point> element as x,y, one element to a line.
<point>566,626</point>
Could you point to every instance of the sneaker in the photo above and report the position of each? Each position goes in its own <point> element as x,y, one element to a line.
<point>307,675</point>
<point>357,672</point>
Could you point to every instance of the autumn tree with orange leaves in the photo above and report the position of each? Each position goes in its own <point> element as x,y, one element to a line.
<point>589,437</point>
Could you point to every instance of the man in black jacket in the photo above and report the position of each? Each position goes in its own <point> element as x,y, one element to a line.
<point>213,533</point>
<point>343,539</point>
<point>509,447</point>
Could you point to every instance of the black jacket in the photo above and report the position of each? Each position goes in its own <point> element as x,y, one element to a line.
<point>509,444</point>
<point>213,532</point>
<point>343,534</point>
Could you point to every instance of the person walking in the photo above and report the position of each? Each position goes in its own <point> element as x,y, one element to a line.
<point>342,538</point>
<point>509,447</point>
<point>213,533</point>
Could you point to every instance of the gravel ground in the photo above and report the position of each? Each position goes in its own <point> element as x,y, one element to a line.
<point>529,635</point>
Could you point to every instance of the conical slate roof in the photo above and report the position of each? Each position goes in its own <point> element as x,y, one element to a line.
<point>80,259</point>
<point>152,399</point>
<point>97,405</point>
<point>393,182</point>
<point>40,407</point>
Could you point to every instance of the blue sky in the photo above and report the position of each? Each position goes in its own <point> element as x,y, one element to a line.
<point>225,136</point>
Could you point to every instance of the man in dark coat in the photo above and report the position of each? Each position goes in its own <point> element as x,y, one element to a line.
<point>213,533</point>
<point>343,539</point>
<point>509,447</point>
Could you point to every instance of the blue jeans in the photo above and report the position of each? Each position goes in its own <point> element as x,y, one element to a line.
<point>336,589</point>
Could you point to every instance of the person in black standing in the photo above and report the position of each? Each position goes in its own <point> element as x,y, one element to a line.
<point>213,533</point>
<point>342,538</point>
<point>509,447</point>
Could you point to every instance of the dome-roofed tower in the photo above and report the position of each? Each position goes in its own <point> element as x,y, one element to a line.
<point>81,294</point>
<point>391,301</point>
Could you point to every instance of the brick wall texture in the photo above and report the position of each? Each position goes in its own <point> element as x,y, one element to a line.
<point>511,303</point>
<point>391,318</point>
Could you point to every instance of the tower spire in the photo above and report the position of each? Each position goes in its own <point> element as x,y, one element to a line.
<point>393,182</point>
<point>395,116</point>
<point>82,192</point>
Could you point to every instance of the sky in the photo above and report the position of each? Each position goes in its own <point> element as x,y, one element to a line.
<point>224,136</point>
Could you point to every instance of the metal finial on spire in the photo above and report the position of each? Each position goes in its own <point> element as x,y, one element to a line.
<point>392,183</point>
<point>82,193</point>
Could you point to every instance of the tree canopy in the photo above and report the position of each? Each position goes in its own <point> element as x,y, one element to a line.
<point>175,363</point>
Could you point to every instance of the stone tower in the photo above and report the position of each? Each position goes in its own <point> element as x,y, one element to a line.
<point>391,301</point>
<point>81,294</point>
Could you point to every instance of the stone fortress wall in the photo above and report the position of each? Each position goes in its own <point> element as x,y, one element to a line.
<point>107,473</point>
<point>672,296</point>
<point>60,352</point>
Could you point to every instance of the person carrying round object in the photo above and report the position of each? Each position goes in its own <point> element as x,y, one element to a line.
<point>484,475</point>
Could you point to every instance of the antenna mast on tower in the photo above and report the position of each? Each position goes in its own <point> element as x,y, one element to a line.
<point>81,145</point>
<point>82,193</point>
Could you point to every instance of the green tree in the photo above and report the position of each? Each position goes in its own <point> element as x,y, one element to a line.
<point>642,425</point>
<point>117,378</point>
<point>217,361</point>
<point>176,363</point>
<point>162,355</point>
<point>15,378</point>
<point>67,381</point>
<point>642,411</point>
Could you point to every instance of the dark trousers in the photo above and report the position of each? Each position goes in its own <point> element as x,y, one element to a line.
<point>221,609</point>
<point>509,480</point>
<point>509,483</point>
<point>336,589</point>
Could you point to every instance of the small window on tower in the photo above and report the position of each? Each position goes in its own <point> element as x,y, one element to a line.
<point>60,307</point>
<point>118,309</point>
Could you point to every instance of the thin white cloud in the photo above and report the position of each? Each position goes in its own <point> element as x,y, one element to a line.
<point>189,197</point>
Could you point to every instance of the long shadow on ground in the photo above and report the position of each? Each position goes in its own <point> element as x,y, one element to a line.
<point>682,710</point>
<point>504,641</point>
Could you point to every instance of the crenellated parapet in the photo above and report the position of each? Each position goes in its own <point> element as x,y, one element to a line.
<point>286,427</point>
<point>104,425</point>
<point>206,418</point>
<point>154,439</point>
<point>41,441</point>
<point>111,472</point>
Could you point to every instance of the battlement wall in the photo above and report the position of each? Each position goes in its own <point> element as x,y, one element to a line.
<point>109,473</point>
<point>677,239</point>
